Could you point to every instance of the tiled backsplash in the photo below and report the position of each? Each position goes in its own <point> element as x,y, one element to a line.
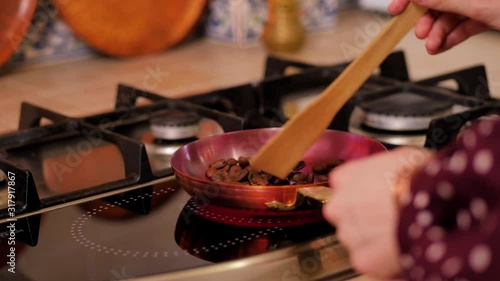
<point>241,22</point>
<point>50,40</point>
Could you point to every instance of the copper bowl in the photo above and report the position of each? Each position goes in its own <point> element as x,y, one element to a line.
<point>191,161</point>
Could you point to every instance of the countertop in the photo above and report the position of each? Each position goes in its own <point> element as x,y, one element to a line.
<point>89,86</point>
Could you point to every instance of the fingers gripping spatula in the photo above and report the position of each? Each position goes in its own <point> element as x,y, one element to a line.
<point>280,155</point>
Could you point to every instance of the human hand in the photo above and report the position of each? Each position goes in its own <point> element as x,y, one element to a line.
<point>450,22</point>
<point>363,208</point>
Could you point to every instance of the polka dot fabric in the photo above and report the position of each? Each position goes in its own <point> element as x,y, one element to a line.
<point>449,229</point>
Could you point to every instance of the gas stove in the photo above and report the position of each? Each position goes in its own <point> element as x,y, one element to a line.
<point>95,198</point>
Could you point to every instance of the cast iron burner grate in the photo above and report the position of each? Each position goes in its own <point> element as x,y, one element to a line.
<point>94,130</point>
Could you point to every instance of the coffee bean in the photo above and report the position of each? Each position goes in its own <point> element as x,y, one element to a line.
<point>232,161</point>
<point>234,169</point>
<point>334,163</point>
<point>309,178</point>
<point>300,166</point>
<point>322,178</point>
<point>298,176</point>
<point>225,168</point>
<point>240,172</point>
<point>239,175</point>
<point>243,161</point>
<point>219,164</point>
<point>221,177</point>
<point>211,171</point>
<point>278,181</point>
<point>266,175</point>
<point>257,179</point>
<point>236,173</point>
<point>320,169</point>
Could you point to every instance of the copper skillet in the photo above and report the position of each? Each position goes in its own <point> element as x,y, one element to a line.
<point>191,161</point>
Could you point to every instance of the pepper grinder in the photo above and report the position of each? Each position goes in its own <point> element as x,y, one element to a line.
<point>284,31</point>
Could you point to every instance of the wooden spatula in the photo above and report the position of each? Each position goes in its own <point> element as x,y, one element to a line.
<point>280,155</point>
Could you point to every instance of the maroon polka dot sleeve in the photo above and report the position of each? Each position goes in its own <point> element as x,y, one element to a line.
<point>448,228</point>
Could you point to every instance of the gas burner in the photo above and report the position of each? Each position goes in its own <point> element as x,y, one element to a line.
<point>175,125</point>
<point>399,119</point>
<point>403,112</point>
<point>169,134</point>
<point>154,146</point>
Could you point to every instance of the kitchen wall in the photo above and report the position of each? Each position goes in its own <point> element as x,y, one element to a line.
<point>50,40</point>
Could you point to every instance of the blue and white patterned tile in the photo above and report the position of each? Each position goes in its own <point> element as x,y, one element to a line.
<point>318,14</point>
<point>242,21</point>
<point>48,39</point>
<point>236,21</point>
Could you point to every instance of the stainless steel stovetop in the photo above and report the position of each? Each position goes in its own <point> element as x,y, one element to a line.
<point>95,197</point>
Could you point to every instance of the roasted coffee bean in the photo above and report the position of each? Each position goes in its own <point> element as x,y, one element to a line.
<point>232,162</point>
<point>250,169</point>
<point>234,169</point>
<point>320,169</point>
<point>221,177</point>
<point>243,161</point>
<point>225,169</point>
<point>309,178</point>
<point>257,179</point>
<point>238,175</point>
<point>278,181</point>
<point>219,164</point>
<point>240,172</point>
<point>334,163</point>
<point>298,176</point>
<point>252,174</point>
<point>211,171</point>
<point>300,166</point>
<point>266,175</point>
<point>321,178</point>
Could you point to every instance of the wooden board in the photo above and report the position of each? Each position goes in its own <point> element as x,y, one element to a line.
<point>15,19</point>
<point>133,27</point>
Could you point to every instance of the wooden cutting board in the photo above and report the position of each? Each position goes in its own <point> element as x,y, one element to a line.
<point>15,20</point>
<point>132,27</point>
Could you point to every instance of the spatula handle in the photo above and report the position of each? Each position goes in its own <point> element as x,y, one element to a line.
<point>358,71</point>
<point>283,151</point>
